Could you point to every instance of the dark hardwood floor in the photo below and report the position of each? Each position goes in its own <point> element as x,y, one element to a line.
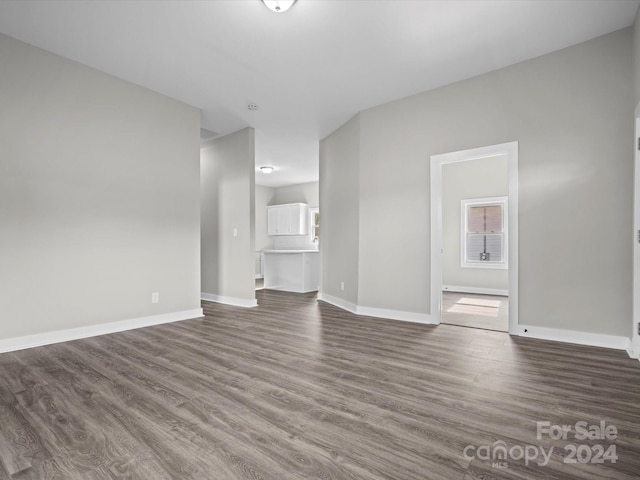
<point>299,389</point>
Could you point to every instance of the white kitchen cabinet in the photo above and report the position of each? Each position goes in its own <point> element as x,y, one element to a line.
<point>289,219</point>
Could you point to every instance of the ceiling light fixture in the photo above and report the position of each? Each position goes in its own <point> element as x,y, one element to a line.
<point>279,6</point>
<point>266,169</point>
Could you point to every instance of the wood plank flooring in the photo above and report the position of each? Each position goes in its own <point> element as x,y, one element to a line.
<point>299,389</point>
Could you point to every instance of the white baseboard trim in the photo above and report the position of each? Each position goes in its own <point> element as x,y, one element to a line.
<point>288,289</point>
<point>235,301</point>
<point>338,302</point>
<point>540,333</point>
<point>57,336</point>
<point>396,315</point>
<point>376,312</point>
<point>580,338</point>
<point>633,352</point>
<point>478,290</point>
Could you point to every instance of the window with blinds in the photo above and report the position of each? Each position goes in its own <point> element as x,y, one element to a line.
<point>484,231</point>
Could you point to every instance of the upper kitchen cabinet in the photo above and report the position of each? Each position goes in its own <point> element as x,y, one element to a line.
<point>289,219</point>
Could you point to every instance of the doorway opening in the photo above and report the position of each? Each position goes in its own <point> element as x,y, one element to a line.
<point>474,237</point>
<point>488,312</point>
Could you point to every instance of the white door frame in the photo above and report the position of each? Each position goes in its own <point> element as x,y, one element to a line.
<point>634,350</point>
<point>437,161</point>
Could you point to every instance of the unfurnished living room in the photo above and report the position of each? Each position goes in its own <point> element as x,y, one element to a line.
<point>319,239</point>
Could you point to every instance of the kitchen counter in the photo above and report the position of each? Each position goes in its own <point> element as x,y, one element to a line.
<point>292,270</point>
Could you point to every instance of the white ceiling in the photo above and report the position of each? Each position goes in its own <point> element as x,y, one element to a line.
<point>310,69</point>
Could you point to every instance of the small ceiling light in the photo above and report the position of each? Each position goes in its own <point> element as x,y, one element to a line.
<point>279,6</point>
<point>252,107</point>
<point>266,169</point>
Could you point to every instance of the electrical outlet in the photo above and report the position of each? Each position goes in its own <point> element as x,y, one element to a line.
<point>342,286</point>
<point>155,297</point>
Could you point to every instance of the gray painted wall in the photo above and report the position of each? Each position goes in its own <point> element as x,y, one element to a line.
<point>339,234</point>
<point>308,193</point>
<point>486,177</point>
<point>99,203</point>
<point>571,112</point>
<point>227,181</point>
<point>636,57</point>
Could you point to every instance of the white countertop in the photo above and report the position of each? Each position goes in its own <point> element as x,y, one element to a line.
<point>291,251</point>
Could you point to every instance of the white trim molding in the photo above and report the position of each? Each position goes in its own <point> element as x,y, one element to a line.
<point>58,336</point>
<point>579,338</point>
<point>338,302</point>
<point>400,315</point>
<point>538,333</point>
<point>478,290</point>
<point>235,301</point>
<point>634,349</point>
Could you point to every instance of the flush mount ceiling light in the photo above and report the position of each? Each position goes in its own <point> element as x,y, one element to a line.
<point>279,6</point>
<point>266,170</point>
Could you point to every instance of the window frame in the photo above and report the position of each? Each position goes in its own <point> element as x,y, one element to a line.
<point>464,213</point>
